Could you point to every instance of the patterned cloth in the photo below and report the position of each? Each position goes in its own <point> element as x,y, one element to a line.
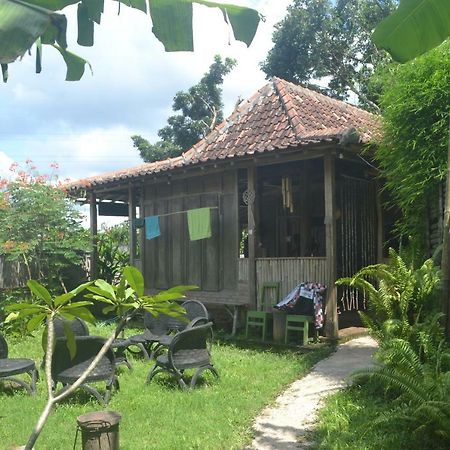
<point>306,299</point>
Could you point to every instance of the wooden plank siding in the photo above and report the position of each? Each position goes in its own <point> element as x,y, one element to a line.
<point>172,259</point>
<point>288,271</point>
<point>12,274</point>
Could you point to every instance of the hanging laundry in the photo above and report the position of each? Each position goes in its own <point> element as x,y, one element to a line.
<point>138,223</point>
<point>152,227</point>
<point>199,223</point>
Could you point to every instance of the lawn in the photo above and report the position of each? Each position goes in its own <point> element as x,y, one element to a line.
<point>350,421</point>
<point>217,415</point>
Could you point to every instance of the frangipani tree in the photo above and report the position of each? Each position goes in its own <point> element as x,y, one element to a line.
<point>126,299</point>
<point>38,22</point>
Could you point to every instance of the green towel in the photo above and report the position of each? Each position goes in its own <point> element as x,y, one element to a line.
<point>199,223</point>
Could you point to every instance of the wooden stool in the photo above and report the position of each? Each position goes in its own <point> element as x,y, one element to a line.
<point>299,324</point>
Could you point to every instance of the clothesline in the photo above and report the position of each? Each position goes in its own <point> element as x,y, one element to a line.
<point>181,212</point>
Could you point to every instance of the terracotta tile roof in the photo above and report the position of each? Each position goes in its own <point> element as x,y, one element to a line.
<point>278,116</point>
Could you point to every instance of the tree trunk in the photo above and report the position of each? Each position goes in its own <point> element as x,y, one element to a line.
<point>445,262</point>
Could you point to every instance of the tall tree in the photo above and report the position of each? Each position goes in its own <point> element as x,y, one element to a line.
<point>24,23</point>
<point>201,110</point>
<point>329,38</point>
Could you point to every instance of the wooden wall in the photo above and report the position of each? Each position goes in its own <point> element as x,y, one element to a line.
<point>12,274</point>
<point>172,259</point>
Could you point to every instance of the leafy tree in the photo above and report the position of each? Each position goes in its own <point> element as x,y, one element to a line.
<point>24,23</point>
<point>201,110</point>
<point>40,226</point>
<point>412,153</point>
<point>327,38</point>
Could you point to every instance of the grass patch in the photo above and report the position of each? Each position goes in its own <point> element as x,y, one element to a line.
<point>348,418</point>
<point>216,415</point>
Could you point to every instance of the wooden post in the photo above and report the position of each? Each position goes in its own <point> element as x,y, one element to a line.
<point>131,220</point>
<point>251,190</point>
<point>331,318</point>
<point>380,225</point>
<point>93,225</point>
<point>445,262</point>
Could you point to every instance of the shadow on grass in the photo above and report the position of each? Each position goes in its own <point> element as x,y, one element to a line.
<point>241,342</point>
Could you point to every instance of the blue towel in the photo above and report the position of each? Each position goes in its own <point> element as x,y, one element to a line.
<point>152,227</point>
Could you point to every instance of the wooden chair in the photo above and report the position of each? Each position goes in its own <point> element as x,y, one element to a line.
<point>298,324</point>
<point>261,317</point>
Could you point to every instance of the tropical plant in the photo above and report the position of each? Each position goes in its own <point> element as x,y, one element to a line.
<point>400,297</point>
<point>414,28</point>
<point>40,226</point>
<point>419,386</point>
<point>332,39</point>
<point>113,253</point>
<point>201,110</point>
<point>24,23</point>
<point>126,299</point>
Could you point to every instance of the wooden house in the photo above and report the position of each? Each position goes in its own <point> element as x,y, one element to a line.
<point>292,199</point>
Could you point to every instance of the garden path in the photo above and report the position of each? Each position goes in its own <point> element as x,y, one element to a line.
<point>287,424</point>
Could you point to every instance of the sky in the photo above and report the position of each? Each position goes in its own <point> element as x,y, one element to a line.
<point>85,126</point>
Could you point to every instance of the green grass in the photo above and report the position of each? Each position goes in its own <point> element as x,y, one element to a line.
<point>216,415</point>
<point>348,418</point>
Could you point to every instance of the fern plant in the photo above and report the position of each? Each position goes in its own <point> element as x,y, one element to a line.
<point>421,389</point>
<point>400,297</point>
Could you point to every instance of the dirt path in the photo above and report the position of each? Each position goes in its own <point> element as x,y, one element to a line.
<point>286,424</point>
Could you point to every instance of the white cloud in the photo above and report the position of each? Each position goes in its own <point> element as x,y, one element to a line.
<point>5,164</point>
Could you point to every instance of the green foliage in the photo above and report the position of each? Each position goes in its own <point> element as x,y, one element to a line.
<point>412,152</point>
<point>113,253</point>
<point>420,385</point>
<point>40,226</point>
<point>400,297</point>
<point>415,369</point>
<point>23,23</point>
<point>347,422</point>
<point>201,110</point>
<point>325,38</point>
<point>127,297</point>
<point>414,28</point>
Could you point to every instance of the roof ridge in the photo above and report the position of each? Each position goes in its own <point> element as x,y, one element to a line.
<point>326,98</point>
<point>288,106</point>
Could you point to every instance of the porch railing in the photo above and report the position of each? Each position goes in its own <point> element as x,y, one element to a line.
<point>288,271</point>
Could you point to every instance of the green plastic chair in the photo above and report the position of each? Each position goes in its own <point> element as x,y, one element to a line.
<point>298,324</point>
<point>261,318</point>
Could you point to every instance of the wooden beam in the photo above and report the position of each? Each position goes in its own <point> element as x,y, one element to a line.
<point>93,226</point>
<point>251,190</point>
<point>131,220</point>
<point>331,318</point>
<point>380,225</point>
